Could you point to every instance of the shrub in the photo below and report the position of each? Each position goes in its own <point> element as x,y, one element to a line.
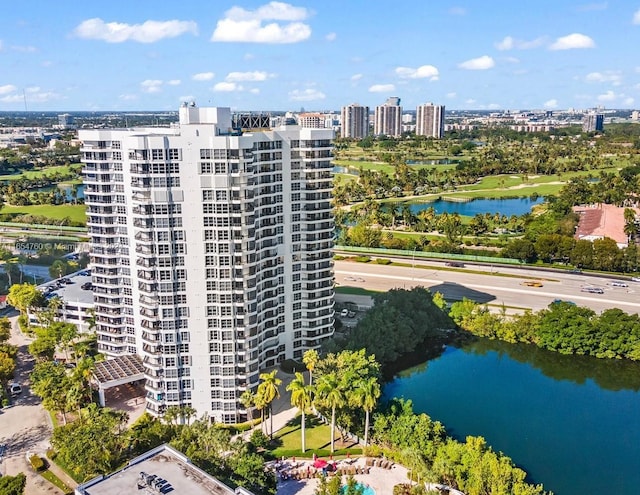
<point>339,257</point>
<point>23,323</point>
<point>51,454</point>
<point>37,463</point>
<point>383,261</point>
<point>363,259</point>
<point>259,439</point>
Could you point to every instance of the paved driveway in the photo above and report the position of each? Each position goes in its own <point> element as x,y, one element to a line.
<point>25,426</point>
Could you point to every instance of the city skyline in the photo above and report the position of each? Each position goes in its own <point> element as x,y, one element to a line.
<point>263,55</point>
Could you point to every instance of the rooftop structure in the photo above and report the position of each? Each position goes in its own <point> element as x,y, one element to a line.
<point>75,292</point>
<point>162,470</point>
<point>601,220</point>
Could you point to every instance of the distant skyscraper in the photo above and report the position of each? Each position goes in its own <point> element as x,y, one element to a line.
<point>593,122</point>
<point>388,118</point>
<point>355,121</point>
<point>211,253</point>
<point>311,120</point>
<point>430,120</point>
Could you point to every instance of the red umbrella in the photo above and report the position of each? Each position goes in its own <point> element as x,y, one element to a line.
<point>320,463</point>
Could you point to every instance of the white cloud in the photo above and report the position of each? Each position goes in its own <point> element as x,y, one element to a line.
<point>571,41</point>
<point>481,63</point>
<point>636,17</point>
<point>254,91</point>
<point>591,7</point>
<point>35,95</point>
<point>128,97</point>
<point>356,77</point>
<point>151,85</point>
<point>331,37</point>
<point>609,76</point>
<point>457,11</point>
<point>7,88</point>
<point>24,49</point>
<point>174,82</point>
<point>247,76</point>
<point>186,98</point>
<point>47,63</point>
<point>308,94</point>
<point>552,103</point>
<point>452,94</point>
<point>249,56</point>
<point>422,72</point>
<point>247,26</point>
<point>494,106</point>
<point>511,43</point>
<point>227,87</point>
<point>147,32</point>
<point>382,88</point>
<point>203,76</point>
<point>629,101</point>
<point>470,101</point>
<point>512,60</point>
<point>608,96</point>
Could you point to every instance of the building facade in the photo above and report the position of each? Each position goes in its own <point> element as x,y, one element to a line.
<point>430,120</point>
<point>354,120</point>
<point>211,252</point>
<point>593,122</point>
<point>388,118</point>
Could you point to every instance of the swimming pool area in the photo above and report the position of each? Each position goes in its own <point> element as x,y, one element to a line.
<point>367,490</point>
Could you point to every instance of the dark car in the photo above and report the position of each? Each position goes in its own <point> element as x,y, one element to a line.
<point>455,264</point>
<point>86,286</point>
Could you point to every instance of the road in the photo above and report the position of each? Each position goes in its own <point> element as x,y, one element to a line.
<point>491,284</point>
<point>25,426</point>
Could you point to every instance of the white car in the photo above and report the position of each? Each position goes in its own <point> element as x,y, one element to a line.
<point>344,313</point>
<point>618,284</point>
<point>635,279</point>
<point>15,389</point>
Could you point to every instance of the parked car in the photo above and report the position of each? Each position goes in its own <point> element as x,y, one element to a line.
<point>86,286</point>
<point>344,313</point>
<point>15,389</point>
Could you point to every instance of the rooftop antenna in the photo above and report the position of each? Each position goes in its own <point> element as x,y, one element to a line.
<point>24,95</point>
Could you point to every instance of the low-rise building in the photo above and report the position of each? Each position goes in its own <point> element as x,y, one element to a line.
<point>160,470</point>
<point>601,220</point>
<point>76,296</point>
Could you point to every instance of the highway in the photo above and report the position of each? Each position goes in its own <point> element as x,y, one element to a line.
<point>491,284</point>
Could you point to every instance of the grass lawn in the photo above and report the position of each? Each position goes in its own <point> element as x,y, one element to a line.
<point>33,174</point>
<point>76,213</point>
<point>53,479</point>
<point>317,440</point>
<point>354,291</point>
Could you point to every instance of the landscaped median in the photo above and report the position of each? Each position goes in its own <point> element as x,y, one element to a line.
<point>42,466</point>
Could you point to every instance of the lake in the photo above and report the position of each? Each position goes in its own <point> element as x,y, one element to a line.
<point>572,422</point>
<point>64,187</point>
<point>504,206</point>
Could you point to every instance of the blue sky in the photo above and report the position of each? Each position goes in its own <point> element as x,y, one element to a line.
<point>260,55</point>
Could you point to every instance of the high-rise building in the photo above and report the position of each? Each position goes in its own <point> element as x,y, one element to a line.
<point>388,118</point>
<point>354,121</point>
<point>430,120</point>
<point>311,120</point>
<point>593,122</point>
<point>211,252</point>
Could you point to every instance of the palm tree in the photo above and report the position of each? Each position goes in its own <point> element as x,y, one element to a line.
<point>310,359</point>
<point>366,395</point>
<point>301,397</point>
<point>269,390</point>
<point>248,400</point>
<point>329,391</point>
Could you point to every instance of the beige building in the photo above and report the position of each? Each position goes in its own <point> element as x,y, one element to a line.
<point>388,118</point>
<point>354,119</point>
<point>430,120</point>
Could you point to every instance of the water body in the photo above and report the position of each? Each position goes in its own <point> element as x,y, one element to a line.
<point>442,161</point>
<point>506,206</point>
<point>572,422</point>
<point>66,188</point>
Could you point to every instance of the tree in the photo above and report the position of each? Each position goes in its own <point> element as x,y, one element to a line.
<point>5,329</point>
<point>248,400</point>
<point>7,368</point>
<point>301,397</point>
<point>366,395</point>
<point>328,390</point>
<point>51,382</point>
<point>268,388</point>
<point>310,359</point>
<point>13,485</point>
<point>24,297</point>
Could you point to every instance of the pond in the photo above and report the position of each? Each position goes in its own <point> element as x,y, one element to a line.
<point>66,188</point>
<point>504,206</point>
<point>570,421</point>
